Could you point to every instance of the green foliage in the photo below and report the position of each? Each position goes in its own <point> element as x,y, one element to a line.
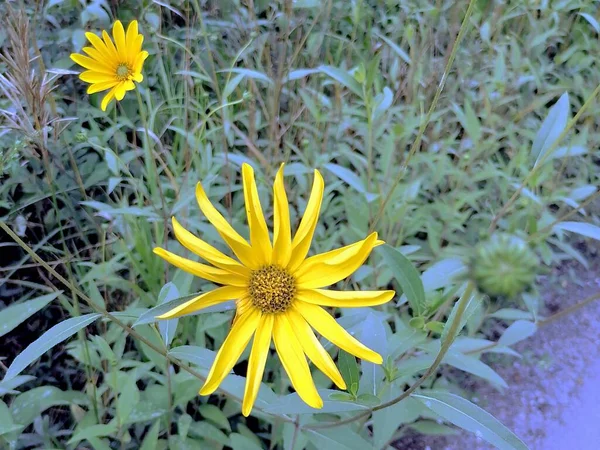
<point>510,147</point>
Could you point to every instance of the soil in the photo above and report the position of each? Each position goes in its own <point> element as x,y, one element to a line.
<point>553,399</point>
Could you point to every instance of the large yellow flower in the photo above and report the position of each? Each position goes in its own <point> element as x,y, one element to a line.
<point>278,291</point>
<point>113,66</point>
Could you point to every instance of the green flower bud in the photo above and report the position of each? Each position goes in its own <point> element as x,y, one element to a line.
<point>504,266</point>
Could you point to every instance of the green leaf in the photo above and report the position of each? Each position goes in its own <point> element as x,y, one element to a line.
<point>582,228</point>
<point>208,431</point>
<point>8,386</point>
<point>386,421</point>
<point>349,370</point>
<point>168,328</point>
<point>442,273</point>
<point>28,405</point>
<point>351,178</point>
<point>518,331</point>
<point>339,438</point>
<point>474,366</point>
<point>551,128</point>
<point>431,428</point>
<point>248,73</point>
<point>293,404</point>
<point>512,314</point>
<point>401,53</point>
<point>14,315</point>
<point>199,356</point>
<point>128,398</point>
<point>100,430</point>
<point>342,77</point>
<point>151,440</point>
<point>215,415</point>
<point>474,303</point>
<point>150,315</point>
<point>407,276</point>
<point>372,334</point>
<point>241,442</point>
<point>592,21</point>
<point>54,336</point>
<point>470,417</point>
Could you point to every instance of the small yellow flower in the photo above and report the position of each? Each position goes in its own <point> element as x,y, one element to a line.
<point>278,291</point>
<point>113,66</point>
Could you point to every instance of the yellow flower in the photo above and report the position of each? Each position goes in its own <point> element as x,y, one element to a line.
<point>113,66</point>
<point>278,291</point>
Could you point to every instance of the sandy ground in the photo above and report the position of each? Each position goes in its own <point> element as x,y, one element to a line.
<point>553,399</point>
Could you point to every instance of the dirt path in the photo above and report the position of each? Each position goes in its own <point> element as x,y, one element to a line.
<point>553,399</point>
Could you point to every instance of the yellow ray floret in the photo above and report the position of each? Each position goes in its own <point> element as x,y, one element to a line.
<point>278,290</point>
<point>113,66</point>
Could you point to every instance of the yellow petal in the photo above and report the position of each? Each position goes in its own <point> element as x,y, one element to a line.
<point>282,236</point>
<point>209,273</point>
<point>207,251</point>
<point>119,35</point>
<point>327,326</point>
<point>230,351</point>
<point>98,87</point>
<point>313,348</point>
<point>110,46</point>
<point>100,59</point>
<point>137,77</point>
<point>91,76</point>
<point>107,99</point>
<point>129,85</point>
<point>99,45</point>
<point>329,268</point>
<point>293,361</point>
<point>344,299</point>
<point>120,91</point>
<point>130,38</point>
<point>256,362</point>
<point>237,243</point>
<point>139,61</point>
<point>259,234</point>
<point>205,300</point>
<point>91,64</point>
<point>306,229</point>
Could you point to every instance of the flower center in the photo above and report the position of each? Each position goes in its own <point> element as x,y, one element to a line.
<point>272,289</point>
<point>123,72</point>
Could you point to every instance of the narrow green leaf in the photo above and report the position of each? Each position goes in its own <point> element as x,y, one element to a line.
<point>474,366</point>
<point>349,370</point>
<point>372,334</point>
<point>54,336</point>
<point>582,228</point>
<point>340,438</point>
<point>94,431</point>
<point>342,77</point>
<point>386,421</point>
<point>199,356</point>
<point>518,331</point>
<point>407,276</point>
<point>150,315</point>
<point>470,417</point>
<point>215,415</point>
<point>14,315</point>
<point>592,21</point>
<point>168,328</point>
<point>241,442</point>
<point>551,128</point>
<point>293,404</point>
<point>401,53</point>
<point>151,440</point>
<point>248,73</point>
